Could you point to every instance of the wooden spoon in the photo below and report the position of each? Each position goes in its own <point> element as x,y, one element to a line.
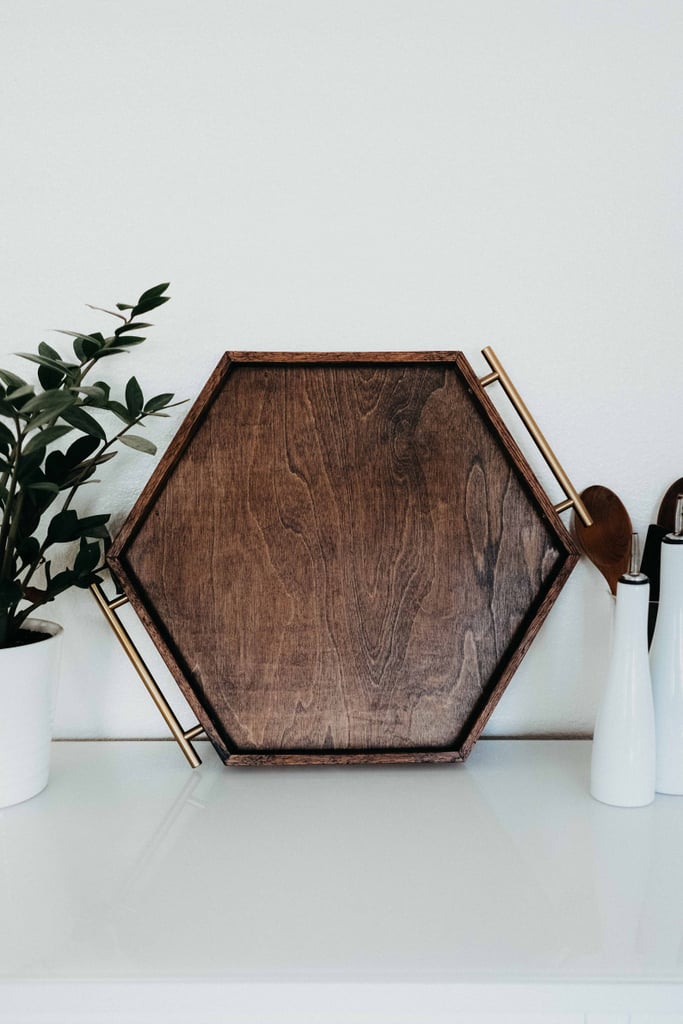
<point>608,541</point>
<point>656,532</point>
<point>667,510</point>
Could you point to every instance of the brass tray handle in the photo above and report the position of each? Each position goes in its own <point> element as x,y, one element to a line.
<point>498,373</point>
<point>180,735</point>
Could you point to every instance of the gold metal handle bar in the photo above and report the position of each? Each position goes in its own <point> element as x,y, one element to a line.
<point>194,732</point>
<point>499,373</point>
<point>181,737</point>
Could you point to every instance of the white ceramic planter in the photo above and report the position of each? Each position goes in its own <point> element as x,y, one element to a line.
<point>28,693</point>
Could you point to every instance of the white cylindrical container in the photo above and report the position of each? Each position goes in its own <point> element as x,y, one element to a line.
<point>623,756</point>
<point>666,663</point>
<point>28,692</point>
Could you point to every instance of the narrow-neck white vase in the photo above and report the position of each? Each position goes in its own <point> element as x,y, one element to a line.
<point>623,756</point>
<point>666,662</point>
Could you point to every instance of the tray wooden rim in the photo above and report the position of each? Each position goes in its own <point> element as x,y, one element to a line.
<point>116,555</point>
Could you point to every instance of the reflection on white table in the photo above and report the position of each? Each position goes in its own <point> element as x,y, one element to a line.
<point>134,890</point>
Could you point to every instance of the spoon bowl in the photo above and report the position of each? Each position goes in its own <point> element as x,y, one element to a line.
<point>607,543</point>
<point>667,510</point>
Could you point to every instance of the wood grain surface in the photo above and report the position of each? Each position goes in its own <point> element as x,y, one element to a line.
<point>343,560</point>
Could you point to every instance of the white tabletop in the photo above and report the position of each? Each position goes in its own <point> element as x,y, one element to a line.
<point>136,888</point>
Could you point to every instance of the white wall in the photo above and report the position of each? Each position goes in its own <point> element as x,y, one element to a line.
<point>371,174</point>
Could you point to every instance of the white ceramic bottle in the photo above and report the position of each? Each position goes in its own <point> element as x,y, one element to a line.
<point>666,663</point>
<point>623,756</point>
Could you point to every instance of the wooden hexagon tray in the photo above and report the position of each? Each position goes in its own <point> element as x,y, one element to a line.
<point>343,557</point>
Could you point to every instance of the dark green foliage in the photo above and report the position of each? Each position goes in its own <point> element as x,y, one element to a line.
<point>38,483</point>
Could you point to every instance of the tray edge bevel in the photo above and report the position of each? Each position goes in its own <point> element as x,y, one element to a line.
<point>135,518</point>
<point>567,566</point>
<point>569,553</point>
<point>337,757</point>
<point>427,356</point>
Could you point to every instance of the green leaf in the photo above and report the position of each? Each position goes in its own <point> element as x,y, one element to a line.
<point>10,594</point>
<point>119,410</point>
<point>92,347</point>
<point>60,467</point>
<point>134,398</point>
<point>110,350</point>
<point>87,559</point>
<point>47,350</point>
<point>84,471</point>
<point>99,460</point>
<point>83,421</point>
<point>56,467</point>
<point>42,418</point>
<point>66,526</point>
<point>141,444</point>
<point>45,437</point>
<point>28,464</point>
<point>81,449</point>
<point>96,395</point>
<point>22,392</point>
<point>152,293</point>
<point>95,526</point>
<point>123,305</point>
<point>147,307</point>
<point>52,364</point>
<point>43,485</point>
<point>11,379</point>
<point>150,299</point>
<point>131,340</point>
<point>49,401</point>
<point>28,550</point>
<point>97,337</point>
<point>87,346</point>
<point>158,402</point>
<point>39,494</point>
<point>136,326</point>
<point>49,378</point>
<point>6,436</point>
<point>59,583</point>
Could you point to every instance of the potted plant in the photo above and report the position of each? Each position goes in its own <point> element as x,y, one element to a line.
<point>53,438</point>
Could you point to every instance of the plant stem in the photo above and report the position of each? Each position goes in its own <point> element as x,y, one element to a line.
<point>9,513</point>
<point>8,557</point>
